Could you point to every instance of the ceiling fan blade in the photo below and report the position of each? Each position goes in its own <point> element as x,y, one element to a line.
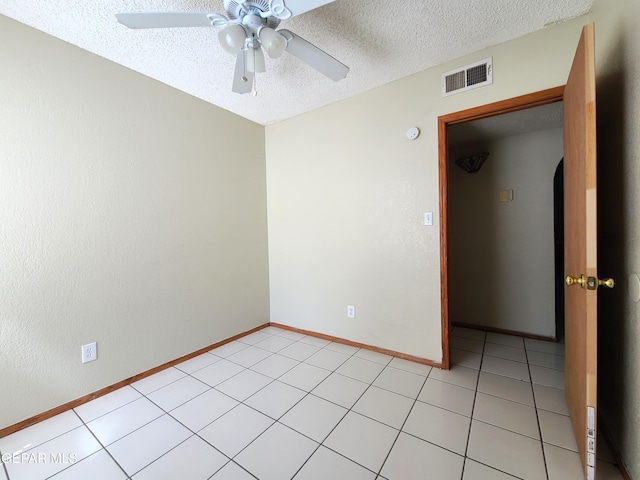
<point>284,9</point>
<point>240,85</point>
<point>314,57</point>
<point>167,19</point>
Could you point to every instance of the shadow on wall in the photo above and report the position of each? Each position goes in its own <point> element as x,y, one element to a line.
<point>473,227</point>
<point>613,216</point>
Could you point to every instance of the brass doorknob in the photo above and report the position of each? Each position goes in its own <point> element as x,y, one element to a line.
<point>591,283</point>
<point>607,282</point>
<point>575,280</point>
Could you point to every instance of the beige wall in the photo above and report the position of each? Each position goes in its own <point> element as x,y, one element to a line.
<point>131,214</point>
<point>501,254</point>
<point>347,192</point>
<point>618,104</point>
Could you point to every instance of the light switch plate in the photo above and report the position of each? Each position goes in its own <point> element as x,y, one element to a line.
<point>428,218</point>
<point>506,195</point>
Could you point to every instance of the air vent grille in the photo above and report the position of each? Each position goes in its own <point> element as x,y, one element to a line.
<point>477,74</point>
<point>455,81</point>
<point>472,76</point>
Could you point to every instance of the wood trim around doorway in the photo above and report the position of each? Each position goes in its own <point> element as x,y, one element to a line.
<point>522,102</point>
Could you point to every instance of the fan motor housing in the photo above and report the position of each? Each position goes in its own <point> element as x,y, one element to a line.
<point>252,21</point>
<point>238,10</point>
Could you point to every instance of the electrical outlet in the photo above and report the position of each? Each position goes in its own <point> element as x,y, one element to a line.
<point>89,352</point>
<point>351,311</point>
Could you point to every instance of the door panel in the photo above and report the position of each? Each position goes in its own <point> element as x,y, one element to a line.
<point>581,247</point>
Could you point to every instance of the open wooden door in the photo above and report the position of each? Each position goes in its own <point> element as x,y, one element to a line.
<point>581,251</point>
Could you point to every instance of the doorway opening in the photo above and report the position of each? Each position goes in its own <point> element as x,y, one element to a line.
<point>444,122</point>
<point>558,243</point>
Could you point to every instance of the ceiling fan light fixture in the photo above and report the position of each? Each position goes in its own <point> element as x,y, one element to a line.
<point>273,42</point>
<point>255,60</point>
<point>232,38</point>
<point>248,26</point>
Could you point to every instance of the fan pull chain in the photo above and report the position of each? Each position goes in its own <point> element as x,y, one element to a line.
<point>254,88</point>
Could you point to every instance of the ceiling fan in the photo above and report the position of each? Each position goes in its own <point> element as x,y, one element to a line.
<point>249,27</point>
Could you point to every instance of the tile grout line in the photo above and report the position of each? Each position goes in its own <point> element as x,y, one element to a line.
<point>193,434</point>
<point>166,413</point>
<point>475,396</point>
<point>508,430</point>
<point>115,409</point>
<point>225,465</point>
<point>176,446</point>
<point>286,426</point>
<point>239,403</point>
<point>99,443</point>
<point>132,431</point>
<point>474,401</point>
<point>146,396</point>
<point>239,466</point>
<point>277,420</point>
<point>511,475</point>
<point>159,388</point>
<point>535,408</point>
<point>350,409</point>
<point>249,368</point>
<point>55,437</point>
<point>417,437</point>
<point>403,424</point>
<point>49,439</point>
<point>320,444</point>
<point>431,442</point>
<point>4,467</point>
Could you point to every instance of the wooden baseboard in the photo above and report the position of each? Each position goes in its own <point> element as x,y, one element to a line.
<point>404,356</point>
<point>123,383</point>
<point>614,449</point>
<point>505,331</point>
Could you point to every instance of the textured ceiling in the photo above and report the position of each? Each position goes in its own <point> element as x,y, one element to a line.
<point>380,41</point>
<point>507,125</point>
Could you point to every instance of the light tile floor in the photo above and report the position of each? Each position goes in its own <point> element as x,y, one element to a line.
<point>277,405</point>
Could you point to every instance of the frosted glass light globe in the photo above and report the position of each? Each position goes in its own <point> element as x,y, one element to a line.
<point>232,38</point>
<point>273,42</point>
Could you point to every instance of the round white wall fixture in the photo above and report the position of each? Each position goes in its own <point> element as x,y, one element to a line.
<point>634,288</point>
<point>413,133</point>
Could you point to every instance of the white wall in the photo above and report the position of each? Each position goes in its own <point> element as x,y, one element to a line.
<point>501,254</point>
<point>347,192</point>
<point>131,214</point>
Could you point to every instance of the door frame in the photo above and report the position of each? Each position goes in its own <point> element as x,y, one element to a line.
<point>522,102</point>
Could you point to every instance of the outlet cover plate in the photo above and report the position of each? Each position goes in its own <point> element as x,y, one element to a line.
<point>89,352</point>
<point>351,311</point>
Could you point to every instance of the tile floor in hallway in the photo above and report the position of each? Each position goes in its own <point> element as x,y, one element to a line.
<point>277,405</point>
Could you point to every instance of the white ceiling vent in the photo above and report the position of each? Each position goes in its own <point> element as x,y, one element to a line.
<point>466,78</point>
